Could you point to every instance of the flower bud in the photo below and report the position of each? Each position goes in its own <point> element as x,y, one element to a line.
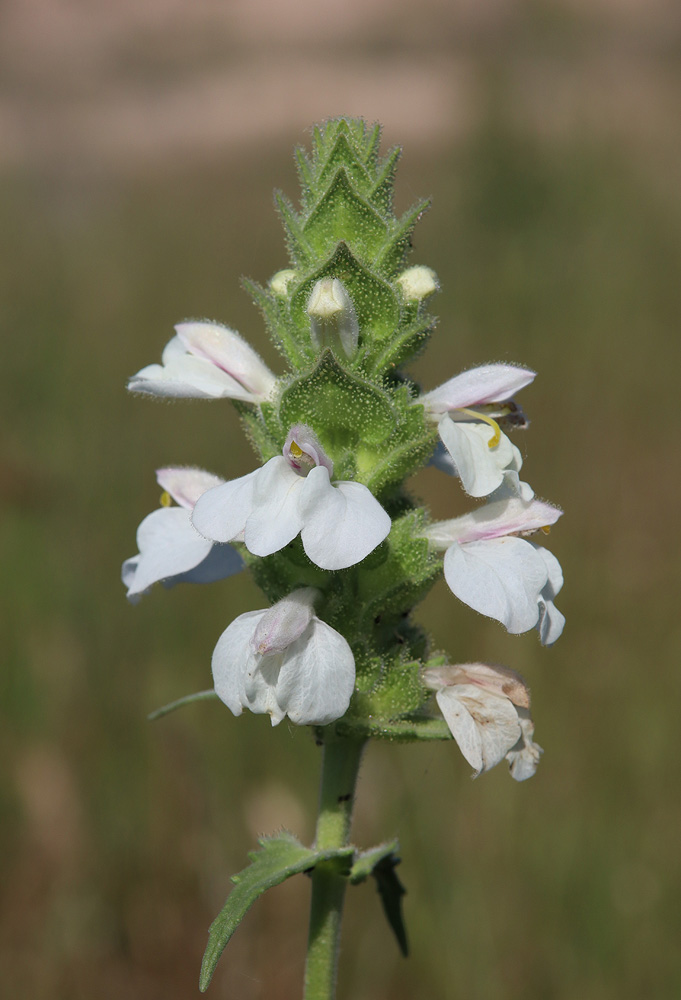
<point>417,283</point>
<point>284,622</point>
<point>280,281</point>
<point>333,321</point>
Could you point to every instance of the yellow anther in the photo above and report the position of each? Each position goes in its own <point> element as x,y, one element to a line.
<point>496,437</point>
<point>165,500</point>
<point>296,450</point>
<point>546,529</point>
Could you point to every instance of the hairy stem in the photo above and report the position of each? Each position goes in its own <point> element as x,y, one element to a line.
<point>337,793</point>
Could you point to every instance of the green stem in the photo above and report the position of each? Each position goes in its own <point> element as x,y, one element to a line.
<point>337,794</point>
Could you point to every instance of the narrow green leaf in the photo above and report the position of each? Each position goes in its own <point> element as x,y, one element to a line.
<point>279,324</point>
<point>382,194</point>
<point>299,247</point>
<point>181,702</point>
<point>391,257</point>
<point>305,172</point>
<point>366,861</point>
<point>391,891</point>
<point>372,141</point>
<point>279,858</point>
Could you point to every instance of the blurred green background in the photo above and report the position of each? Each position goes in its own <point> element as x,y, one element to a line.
<point>139,148</point>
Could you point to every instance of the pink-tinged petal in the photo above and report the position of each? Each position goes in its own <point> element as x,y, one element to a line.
<point>221,513</point>
<point>303,438</point>
<point>481,468</point>
<point>317,677</point>
<point>227,350</point>
<point>274,520</point>
<point>186,484</point>
<point>493,520</point>
<point>501,681</point>
<point>486,384</point>
<point>187,377</point>
<point>484,725</point>
<point>285,621</point>
<point>501,578</point>
<point>343,523</point>
<point>168,546</point>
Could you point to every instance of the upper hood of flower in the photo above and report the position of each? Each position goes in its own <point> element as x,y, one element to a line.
<point>477,387</point>
<point>206,361</point>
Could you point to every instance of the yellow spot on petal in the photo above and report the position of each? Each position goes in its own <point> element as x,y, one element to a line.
<point>546,529</point>
<point>165,500</point>
<point>296,450</point>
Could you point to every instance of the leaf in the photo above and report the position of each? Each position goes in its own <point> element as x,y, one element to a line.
<point>381,862</point>
<point>366,861</point>
<point>278,859</point>
<point>391,891</point>
<point>188,699</point>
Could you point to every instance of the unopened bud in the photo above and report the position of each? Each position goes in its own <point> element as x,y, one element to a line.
<point>417,283</point>
<point>284,622</point>
<point>333,321</point>
<point>280,281</point>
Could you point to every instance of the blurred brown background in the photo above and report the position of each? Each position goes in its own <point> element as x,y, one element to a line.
<point>139,144</point>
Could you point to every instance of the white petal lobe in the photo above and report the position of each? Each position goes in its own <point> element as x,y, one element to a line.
<point>480,467</point>
<point>221,513</point>
<point>501,578</point>
<point>275,518</point>
<point>317,677</point>
<point>168,545</point>
<point>343,523</point>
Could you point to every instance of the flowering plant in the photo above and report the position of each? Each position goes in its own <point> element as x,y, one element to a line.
<point>341,550</point>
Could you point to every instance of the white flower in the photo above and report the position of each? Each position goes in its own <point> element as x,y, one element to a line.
<point>466,409</point>
<point>170,549</point>
<point>493,571</point>
<point>333,320</point>
<point>207,361</point>
<point>487,711</point>
<point>339,523</point>
<point>285,661</point>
